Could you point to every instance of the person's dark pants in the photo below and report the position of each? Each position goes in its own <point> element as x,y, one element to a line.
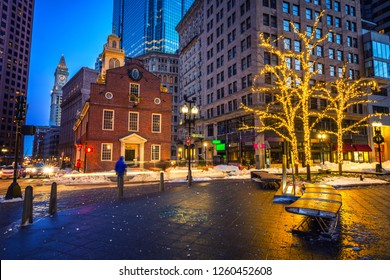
<point>120,182</point>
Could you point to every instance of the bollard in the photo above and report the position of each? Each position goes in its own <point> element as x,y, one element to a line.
<point>27,215</point>
<point>120,186</point>
<point>162,187</point>
<point>53,199</point>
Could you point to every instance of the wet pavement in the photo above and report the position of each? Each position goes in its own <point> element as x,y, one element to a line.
<point>213,220</point>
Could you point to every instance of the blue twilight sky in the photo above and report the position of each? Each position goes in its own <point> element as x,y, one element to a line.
<point>73,28</point>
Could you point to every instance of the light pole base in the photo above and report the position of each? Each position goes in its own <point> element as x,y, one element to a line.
<point>13,191</point>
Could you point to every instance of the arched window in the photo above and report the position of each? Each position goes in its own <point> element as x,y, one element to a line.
<point>171,79</point>
<point>113,63</point>
<point>114,44</point>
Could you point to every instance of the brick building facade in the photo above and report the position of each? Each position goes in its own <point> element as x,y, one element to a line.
<point>128,115</point>
<point>75,94</point>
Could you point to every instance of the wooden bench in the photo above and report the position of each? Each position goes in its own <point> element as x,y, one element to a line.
<point>321,203</point>
<point>266,180</point>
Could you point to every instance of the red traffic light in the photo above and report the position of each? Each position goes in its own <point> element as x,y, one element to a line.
<point>88,150</point>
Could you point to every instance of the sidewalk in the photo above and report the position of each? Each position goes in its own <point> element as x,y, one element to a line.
<point>212,220</point>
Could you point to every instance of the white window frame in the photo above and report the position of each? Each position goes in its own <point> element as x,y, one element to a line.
<point>113,119</point>
<point>128,126</point>
<point>160,121</point>
<point>152,152</point>
<point>131,98</point>
<point>103,151</point>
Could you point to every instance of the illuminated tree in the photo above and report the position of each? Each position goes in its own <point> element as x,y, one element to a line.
<point>291,89</point>
<point>343,95</point>
<point>280,113</point>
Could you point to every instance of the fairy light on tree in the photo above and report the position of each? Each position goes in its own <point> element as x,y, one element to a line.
<point>292,90</point>
<point>347,93</point>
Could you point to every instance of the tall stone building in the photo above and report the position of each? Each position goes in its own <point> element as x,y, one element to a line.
<point>60,78</point>
<point>15,47</point>
<point>230,57</point>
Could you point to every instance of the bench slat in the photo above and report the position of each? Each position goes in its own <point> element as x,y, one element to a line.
<point>322,190</point>
<point>315,208</point>
<point>322,196</point>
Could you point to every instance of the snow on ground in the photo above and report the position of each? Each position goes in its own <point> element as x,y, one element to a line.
<point>179,174</point>
<point>348,181</point>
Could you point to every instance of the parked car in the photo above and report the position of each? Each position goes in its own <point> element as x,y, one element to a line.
<point>39,170</point>
<point>8,172</point>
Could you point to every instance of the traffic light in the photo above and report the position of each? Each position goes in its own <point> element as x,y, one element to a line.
<point>88,150</point>
<point>20,108</point>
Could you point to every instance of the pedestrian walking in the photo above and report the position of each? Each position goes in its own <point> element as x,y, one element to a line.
<point>120,169</point>
<point>78,164</point>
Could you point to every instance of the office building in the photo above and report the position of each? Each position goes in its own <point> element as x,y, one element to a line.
<point>148,25</point>
<point>377,11</point>
<point>75,94</point>
<point>227,54</point>
<point>15,48</point>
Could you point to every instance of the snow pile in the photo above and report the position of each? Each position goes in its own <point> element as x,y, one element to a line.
<point>343,181</point>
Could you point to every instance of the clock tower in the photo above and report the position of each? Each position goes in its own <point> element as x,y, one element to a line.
<point>60,78</point>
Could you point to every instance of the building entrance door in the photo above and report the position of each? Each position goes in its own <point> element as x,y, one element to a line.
<point>129,155</point>
<point>132,154</point>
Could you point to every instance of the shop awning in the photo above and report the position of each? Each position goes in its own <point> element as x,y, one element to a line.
<point>362,148</point>
<point>346,148</point>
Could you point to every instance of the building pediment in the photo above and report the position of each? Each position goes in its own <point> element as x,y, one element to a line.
<point>133,138</point>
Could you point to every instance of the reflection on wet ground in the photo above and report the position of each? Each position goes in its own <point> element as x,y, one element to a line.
<point>213,220</point>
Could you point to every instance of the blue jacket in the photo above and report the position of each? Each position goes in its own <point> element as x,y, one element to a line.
<point>120,165</point>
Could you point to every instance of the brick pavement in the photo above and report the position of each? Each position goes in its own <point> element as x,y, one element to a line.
<point>212,220</point>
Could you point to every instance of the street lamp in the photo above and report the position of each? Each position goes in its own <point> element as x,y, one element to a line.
<point>378,139</point>
<point>189,111</point>
<point>322,137</point>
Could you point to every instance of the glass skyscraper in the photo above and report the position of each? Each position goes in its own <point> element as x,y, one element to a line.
<point>148,25</point>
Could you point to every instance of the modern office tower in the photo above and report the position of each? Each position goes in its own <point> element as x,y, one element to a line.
<point>60,78</point>
<point>148,25</point>
<point>230,57</point>
<point>166,67</point>
<point>15,47</point>
<point>377,11</point>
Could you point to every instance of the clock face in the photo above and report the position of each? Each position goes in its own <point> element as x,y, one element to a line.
<point>135,74</point>
<point>61,77</point>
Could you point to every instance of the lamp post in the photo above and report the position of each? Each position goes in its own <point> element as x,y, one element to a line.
<point>322,137</point>
<point>189,111</point>
<point>378,139</point>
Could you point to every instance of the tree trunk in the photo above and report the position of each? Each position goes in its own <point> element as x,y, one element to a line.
<point>308,175</point>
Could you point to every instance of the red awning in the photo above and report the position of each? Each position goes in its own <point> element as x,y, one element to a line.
<point>346,148</point>
<point>362,148</point>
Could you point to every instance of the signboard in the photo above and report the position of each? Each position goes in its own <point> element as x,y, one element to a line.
<point>220,147</point>
<point>188,141</point>
<point>215,142</point>
<point>197,135</point>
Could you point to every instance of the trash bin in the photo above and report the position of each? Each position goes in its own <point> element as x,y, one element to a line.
<point>378,168</point>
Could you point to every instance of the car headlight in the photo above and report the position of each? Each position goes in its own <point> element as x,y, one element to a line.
<point>48,170</point>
